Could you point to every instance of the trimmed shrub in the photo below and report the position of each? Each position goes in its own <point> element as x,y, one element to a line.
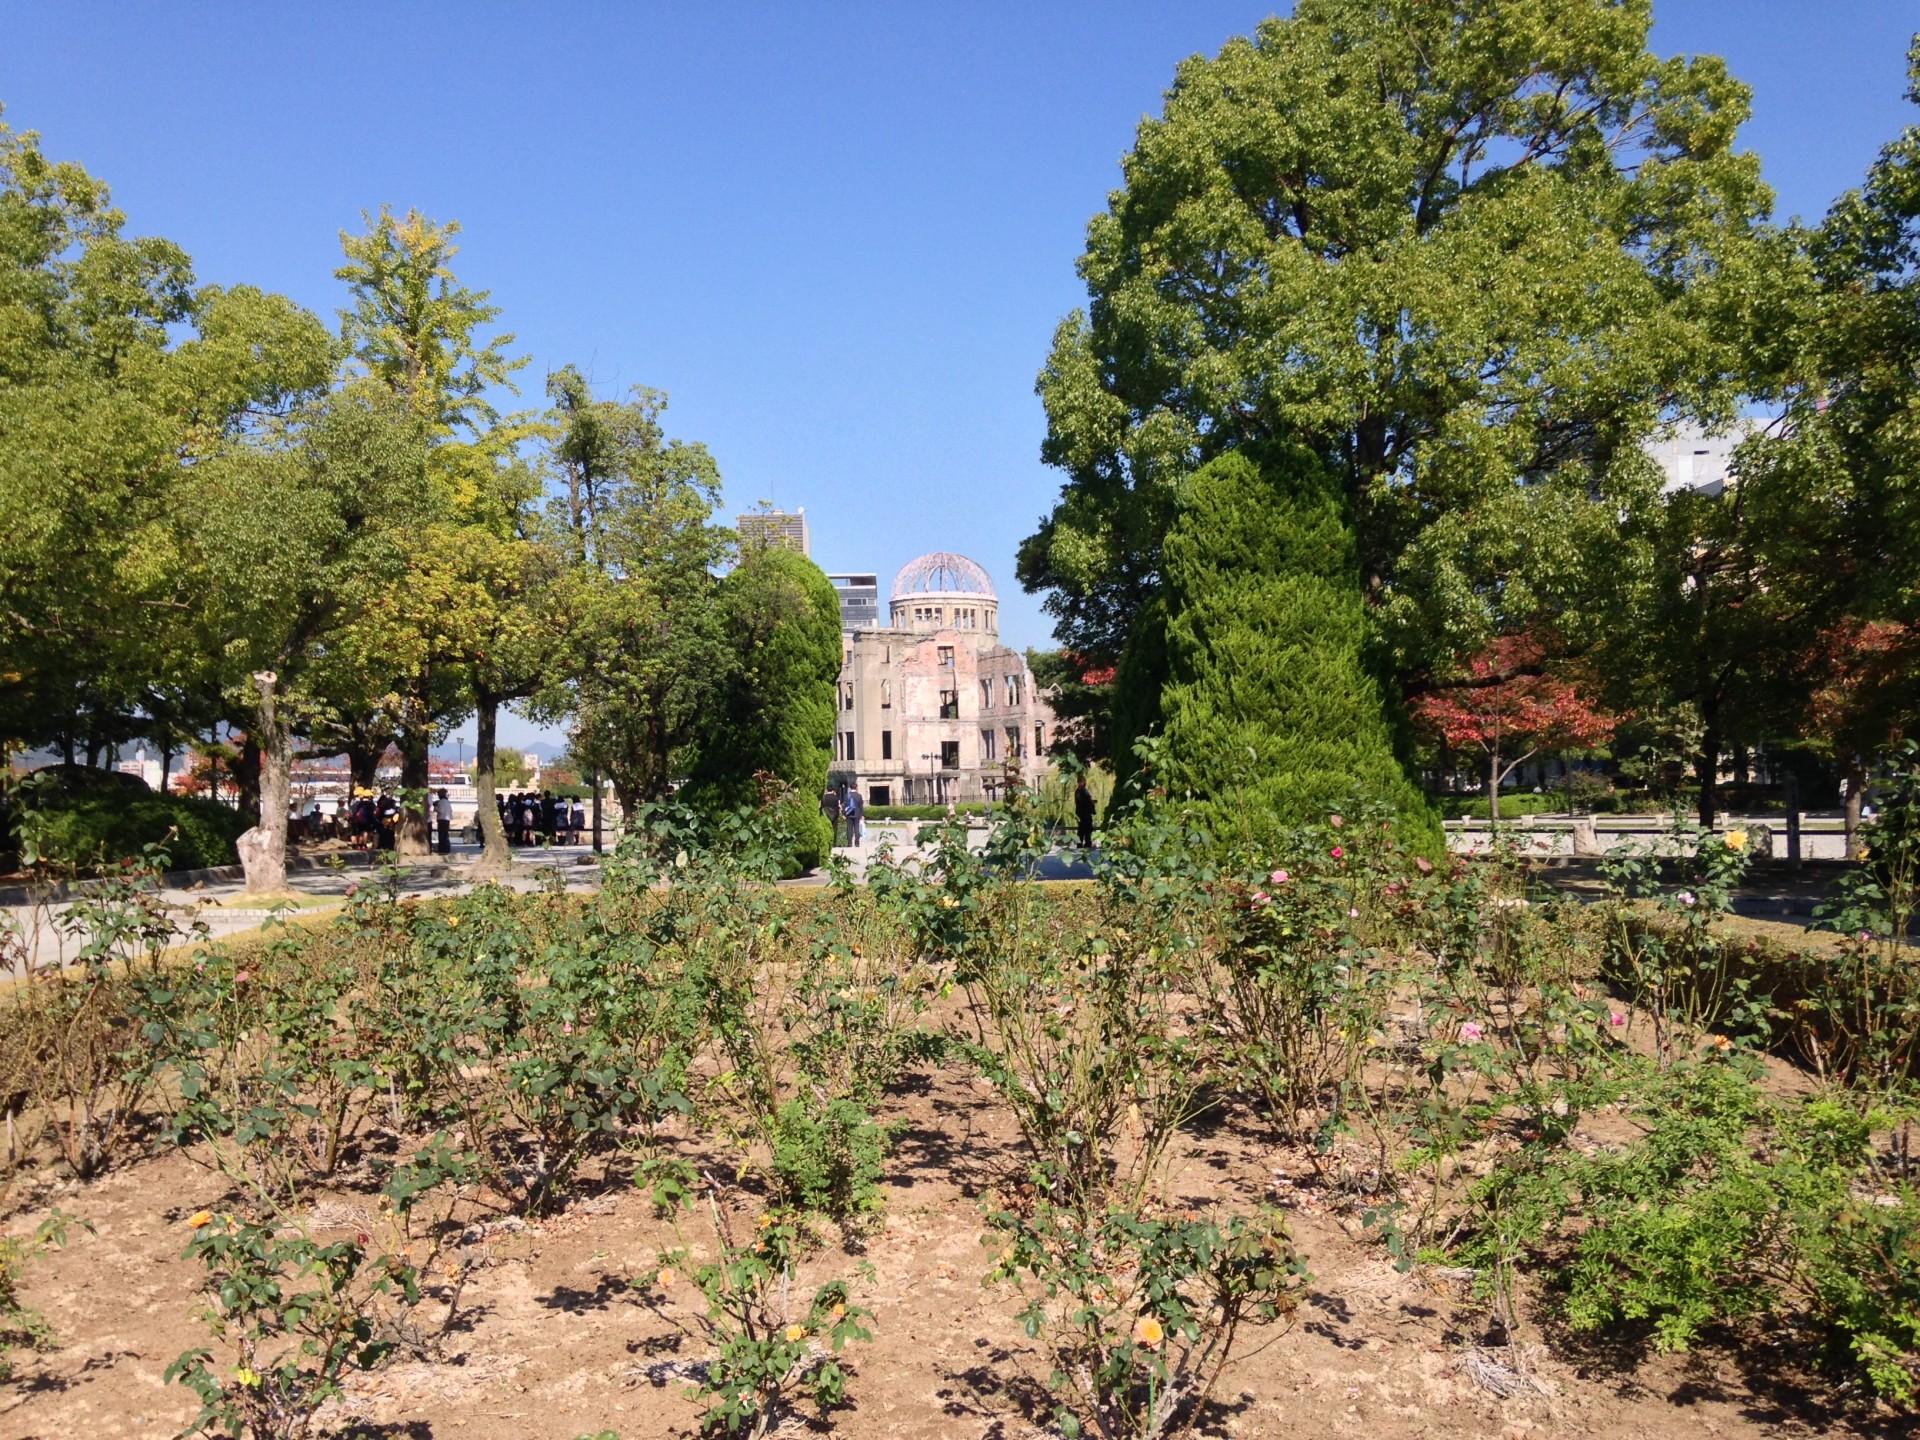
<point>1273,715</point>
<point>101,827</point>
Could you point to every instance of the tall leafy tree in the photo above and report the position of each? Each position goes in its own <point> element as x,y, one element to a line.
<point>634,510</point>
<point>280,539</point>
<point>117,375</point>
<point>1467,253</point>
<point>772,712</point>
<point>413,328</point>
<point>1836,491</point>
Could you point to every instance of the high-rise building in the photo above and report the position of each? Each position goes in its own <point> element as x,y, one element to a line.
<point>775,527</point>
<point>859,600</point>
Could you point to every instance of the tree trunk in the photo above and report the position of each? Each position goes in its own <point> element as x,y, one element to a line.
<point>494,852</point>
<point>1856,793</point>
<point>166,763</point>
<point>263,849</point>
<point>363,768</point>
<point>1493,788</point>
<point>410,834</point>
<point>246,776</point>
<point>1706,770</point>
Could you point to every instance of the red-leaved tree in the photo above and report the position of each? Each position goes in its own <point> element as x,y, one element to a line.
<point>1510,712</point>
<point>1865,695</point>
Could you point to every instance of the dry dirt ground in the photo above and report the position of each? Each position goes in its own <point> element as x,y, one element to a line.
<point>554,1343</point>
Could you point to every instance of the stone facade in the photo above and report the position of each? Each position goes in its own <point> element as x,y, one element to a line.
<point>933,708</point>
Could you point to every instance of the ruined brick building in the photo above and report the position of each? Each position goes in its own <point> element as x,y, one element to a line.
<point>932,707</point>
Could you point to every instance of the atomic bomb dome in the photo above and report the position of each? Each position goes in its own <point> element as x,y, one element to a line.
<point>944,591</point>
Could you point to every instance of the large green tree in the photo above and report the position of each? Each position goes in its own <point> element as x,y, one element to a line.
<point>634,511</point>
<point>278,541</point>
<point>1466,252</point>
<point>1835,492</point>
<point>414,328</point>
<point>117,375</point>
<point>772,712</point>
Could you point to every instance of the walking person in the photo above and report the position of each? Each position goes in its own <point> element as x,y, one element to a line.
<point>830,807</point>
<point>855,809</point>
<point>443,814</point>
<point>1083,812</point>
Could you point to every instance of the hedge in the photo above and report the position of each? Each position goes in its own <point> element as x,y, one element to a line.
<point>85,831</point>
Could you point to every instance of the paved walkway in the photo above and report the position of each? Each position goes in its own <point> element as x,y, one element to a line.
<point>37,934</point>
<point>34,935</point>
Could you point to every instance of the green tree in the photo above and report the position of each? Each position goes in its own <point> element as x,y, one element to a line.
<point>278,540</point>
<point>117,375</point>
<point>773,713</point>
<point>413,328</point>
<point>1272,715</point>
<point>633,511</point>
<point>1834,494</point>
<point>1468,253</point>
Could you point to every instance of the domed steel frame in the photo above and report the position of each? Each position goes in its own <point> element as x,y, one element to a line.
<point>942,573</point>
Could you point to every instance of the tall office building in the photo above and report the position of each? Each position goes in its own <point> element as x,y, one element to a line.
<point>775,527</point>
<point>859,600</point>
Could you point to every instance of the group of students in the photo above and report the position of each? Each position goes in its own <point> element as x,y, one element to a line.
<point>371,820</point>
<point>845,804</point>
<point>530,819</point>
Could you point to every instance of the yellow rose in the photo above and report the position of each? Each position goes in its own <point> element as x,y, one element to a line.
<point>796,1333</point>
<point>1736,840</point>
<point>665,1277</point>
<point>453,922</point>
<point>200,1219</point>
<point>1148,1332</point>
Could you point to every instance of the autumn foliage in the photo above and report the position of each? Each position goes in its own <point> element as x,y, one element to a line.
<point>1509,707</point>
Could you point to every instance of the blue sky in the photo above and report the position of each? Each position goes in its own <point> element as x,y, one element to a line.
<point>839,235</point>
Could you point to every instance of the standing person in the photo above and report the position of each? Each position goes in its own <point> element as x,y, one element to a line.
<point>830,807</point>
<point>516,817</point>
<point>1083,812</point>
<point>443,813</point>
<point>548,827</point>
<point>855,810</point>
<point>577,821</point>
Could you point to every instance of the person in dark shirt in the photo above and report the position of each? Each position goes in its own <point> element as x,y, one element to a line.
<point>1083,812</point>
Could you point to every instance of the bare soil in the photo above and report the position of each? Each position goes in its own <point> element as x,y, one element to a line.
<point>554,1341</point>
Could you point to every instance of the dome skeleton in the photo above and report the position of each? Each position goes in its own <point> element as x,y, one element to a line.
<point>942,573</point>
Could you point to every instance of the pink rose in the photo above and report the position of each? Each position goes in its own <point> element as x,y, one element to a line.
<point>1278,877</point>
<point>240,977</point>
<point>1471,1032</point>
<point>1260,897</point>
<point>1423,865</point>
<point>567,1029</point>
<point>1335,821</point>
<point>1616,1020</point>
<point>1337,853</point>
<point>1353,914</point>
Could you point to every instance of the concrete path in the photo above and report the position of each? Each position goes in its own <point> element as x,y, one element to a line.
<point>37,935</point>
<point>41,935</point>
